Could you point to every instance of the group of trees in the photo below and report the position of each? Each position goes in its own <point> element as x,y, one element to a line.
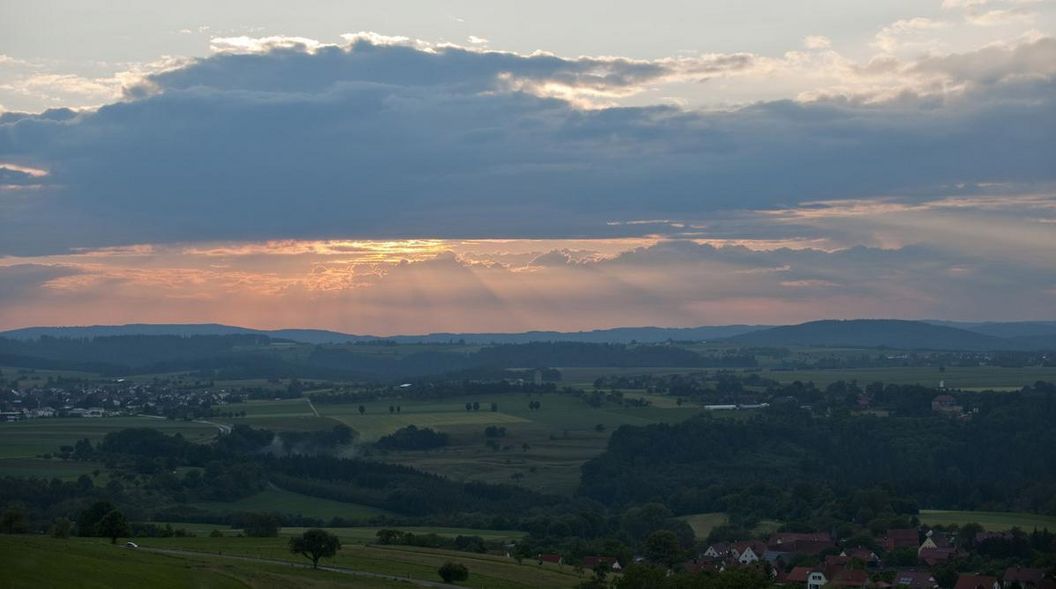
<point>789,462</point>
<point>412,437</point>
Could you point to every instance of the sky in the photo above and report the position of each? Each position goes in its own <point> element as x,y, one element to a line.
<point>409,167</point>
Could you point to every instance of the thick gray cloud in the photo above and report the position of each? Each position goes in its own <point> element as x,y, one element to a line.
<point>381,140</point>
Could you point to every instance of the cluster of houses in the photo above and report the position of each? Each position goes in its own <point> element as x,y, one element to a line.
<point>856,567</point>
<point>842,568</point>
<point>117,398</point>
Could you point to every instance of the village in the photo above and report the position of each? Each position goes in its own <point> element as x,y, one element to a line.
<point>784,557</point>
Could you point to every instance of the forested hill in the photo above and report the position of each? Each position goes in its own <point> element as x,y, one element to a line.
<point>875,333</point>
<point>1003,458</point>
<point>322,336</point>
<point>257,356</point>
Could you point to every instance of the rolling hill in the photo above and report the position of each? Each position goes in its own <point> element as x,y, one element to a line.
<point>322,336</point>
<point>875,333</point>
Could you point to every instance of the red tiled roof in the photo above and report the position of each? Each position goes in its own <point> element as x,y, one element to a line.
<point>798,575</point>
<point>901,538</point>
<point>851,578</point>
<point>933,556</point>
<point>966,581</point>
<point>590,562</point>
<point>1024,575</point>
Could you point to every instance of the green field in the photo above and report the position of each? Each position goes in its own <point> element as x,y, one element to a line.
<point>962,377</point>
<point>486,570</point>
<point>287,502</point>
<point>368,535</point>
<point>703,523</point>
<point>47,469</point>
<point>968,377</point>
<point>990,520</point>
<point>360,535</point>
<point>32,562</point>
<point>561,435</point>
<point>40,436</point>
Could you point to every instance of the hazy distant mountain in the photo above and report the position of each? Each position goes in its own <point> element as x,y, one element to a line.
<point>91,331</point>
<point>322,336</point>
<point>615,335</point>
<point>873,333</point>
<point>1011,329</point>
<point>892,333</point>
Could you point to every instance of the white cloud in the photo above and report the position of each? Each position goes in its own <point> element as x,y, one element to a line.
<point>817,42</point>
<point>908,32</point>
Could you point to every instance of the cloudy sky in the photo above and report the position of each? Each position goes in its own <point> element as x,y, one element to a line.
<point>406,167</point>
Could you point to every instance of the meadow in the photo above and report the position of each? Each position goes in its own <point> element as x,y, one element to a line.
<point>31,438</point>
<point>990,520</point>
<point>560,436</point>
<point>32,562</point>
<point>703,523</point>
<point>966,377</point>
<point>486,570</point>
<point>281,501</point>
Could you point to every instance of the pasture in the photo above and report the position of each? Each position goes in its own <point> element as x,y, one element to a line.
<point>485,570</point>
<point>703,523</point>
<point>966,377</point>
<point>961,377</point>
<point>368,535</point>
<point>990,520</point>
<point>561,435</point>
<point>32,562</point>
<point>46,469</point>
<point>34,437</point>
<point>287,502</point>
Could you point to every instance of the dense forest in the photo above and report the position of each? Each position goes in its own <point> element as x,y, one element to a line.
<point>782,462</point>
<point>257,356</point>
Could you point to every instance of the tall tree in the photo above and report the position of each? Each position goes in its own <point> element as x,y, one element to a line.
<point>315,544</point>
<point>113,526</point>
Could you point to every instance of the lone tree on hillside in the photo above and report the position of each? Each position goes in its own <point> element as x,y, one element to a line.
<point>113,526</point>
<point>315,544</point>
<point>453,571</point>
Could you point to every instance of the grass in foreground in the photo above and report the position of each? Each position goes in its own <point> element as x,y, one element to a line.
<point>33,561</point>
<point>486,570</point>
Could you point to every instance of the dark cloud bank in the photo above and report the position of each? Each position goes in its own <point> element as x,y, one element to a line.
<point>377,140</point>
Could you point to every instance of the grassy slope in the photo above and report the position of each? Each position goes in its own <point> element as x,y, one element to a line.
<point>486,570</point>
<point>703,523</point>
<point>561,435</point>
<point>38,436</point>
<point>48,469</point>
<point>287,502</point>
<point>32,562</point>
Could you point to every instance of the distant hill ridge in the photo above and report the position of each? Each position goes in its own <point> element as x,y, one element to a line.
<point>901,334</point>
<point>868,333</point>
<point>322,336</point>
